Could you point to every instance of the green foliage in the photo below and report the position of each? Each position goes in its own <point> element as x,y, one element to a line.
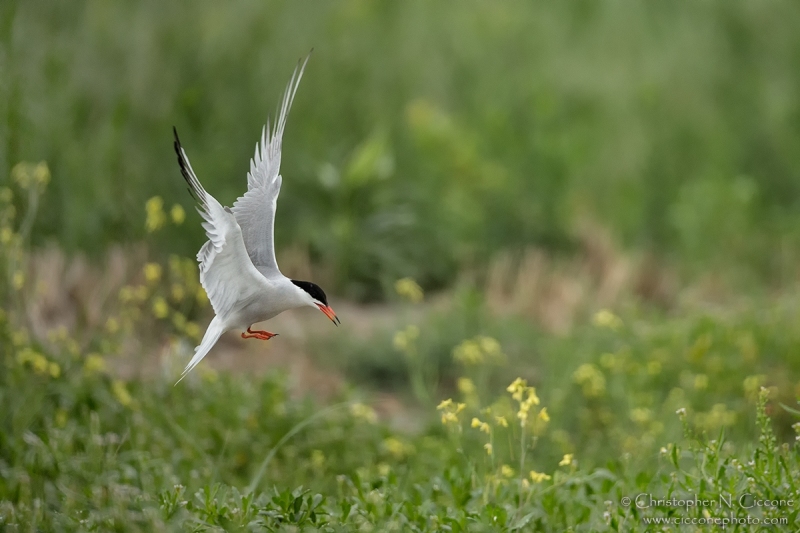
<point>82,449</point>
<point>425,136</point>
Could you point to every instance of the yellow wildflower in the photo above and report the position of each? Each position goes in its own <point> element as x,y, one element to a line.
<point>177,292</point>
<point>478,350</point>
<point>466,386</point>
<point>121,393</point>
<point>468,353</point>
<point>41,174</point>
<point>404,339</point>
<point>40,364</point>
<point>155,214</point>
<point>364,412</point>
<point>28,175</point>
<point>397,448</point>
<point>152,272</point>
<point>700,381</point>
<point>591,380</point>
<point>641,415</point>
<point>201,296</point>
<point>752,384</point>
<point>126,294</point>
<point>317,459</point>
<point>490,346</point>
<point>483,426</point>
<point>606,319</point>
<point>94,363</point>
<point>507,471</point>
<point>409,289</point>
<point>160,307</point>
<point>543,416</point>
<point>179,321</point>
<point>112,325</point>
<point>501,420</point>
<point>538,477</point>
<point>488,448</point>
<point>517,388</point>
<point>450,411</point>
<point>533,399</point>
<point>192,330</point>
<point>566,460</point>
<point>178,214</point>
<point>445,404</point>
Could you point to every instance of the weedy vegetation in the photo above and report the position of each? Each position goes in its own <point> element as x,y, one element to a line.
<point>581,218</point>
<point>622,406</point>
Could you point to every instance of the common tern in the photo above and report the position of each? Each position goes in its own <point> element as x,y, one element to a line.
<point>238,268</point>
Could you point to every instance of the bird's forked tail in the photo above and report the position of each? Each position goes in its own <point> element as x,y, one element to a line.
<point>212,335</point>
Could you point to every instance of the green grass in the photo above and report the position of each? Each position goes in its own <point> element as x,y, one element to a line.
<point>699,404</point>
<point>81,450</point>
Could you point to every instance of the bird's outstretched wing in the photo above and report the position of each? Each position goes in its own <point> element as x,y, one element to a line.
<point>255,211</point>
<point>226,272</point>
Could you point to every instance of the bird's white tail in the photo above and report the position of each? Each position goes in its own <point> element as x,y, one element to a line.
<point>212,335</point>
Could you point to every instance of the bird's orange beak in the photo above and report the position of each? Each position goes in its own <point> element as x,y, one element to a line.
<point>330,314</point>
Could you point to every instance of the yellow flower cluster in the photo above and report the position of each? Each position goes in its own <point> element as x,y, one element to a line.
<point>38,362</point>
<point>31,176</point>
<point>397,448</point>
<point>591,380</point>
<point>404,340</point>
<point>156,217</point>
<point>450,411</point>
<point>718,417</point>
<point>408,289</point>
<point>363,412</point>
<point>606,319</point>
<point>94,363</point>
<point>121,393</point>
<point>527,398</point>
<point>483,426</point>
<point>566,460</point>
<point>465,386</point>
<point>479,350</point>
<point>752,385</point>
<point>538,477</point>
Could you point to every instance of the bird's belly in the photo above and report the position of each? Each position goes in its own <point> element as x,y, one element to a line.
<point>256,311</point>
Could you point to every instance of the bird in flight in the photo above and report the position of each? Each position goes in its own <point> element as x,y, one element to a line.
<point>238,268</point>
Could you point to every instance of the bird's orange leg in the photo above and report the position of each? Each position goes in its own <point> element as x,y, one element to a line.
<point>261,335</point>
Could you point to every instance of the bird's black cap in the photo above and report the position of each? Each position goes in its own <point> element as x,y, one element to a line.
<point>314,290</point>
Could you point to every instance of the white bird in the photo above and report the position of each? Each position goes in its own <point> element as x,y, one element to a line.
<point>238,269</point>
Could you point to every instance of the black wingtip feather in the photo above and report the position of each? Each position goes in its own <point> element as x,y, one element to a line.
<point>182,164</point>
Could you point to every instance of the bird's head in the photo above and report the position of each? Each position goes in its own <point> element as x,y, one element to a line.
<point>314,296</point>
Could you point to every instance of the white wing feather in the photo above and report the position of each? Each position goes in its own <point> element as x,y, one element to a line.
<point>226,272</point>
<point>255,211</point>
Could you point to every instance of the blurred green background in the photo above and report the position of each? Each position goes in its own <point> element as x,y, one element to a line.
<point>425,137</point>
